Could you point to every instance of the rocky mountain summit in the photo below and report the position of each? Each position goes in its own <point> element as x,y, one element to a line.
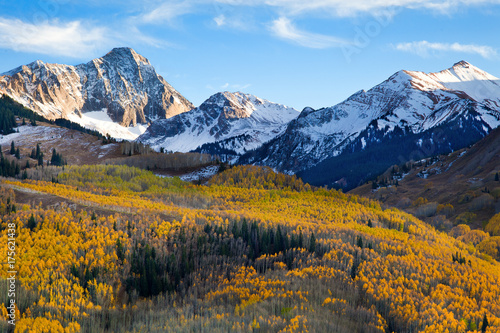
<point>122,85</point>
<point>240,120</point>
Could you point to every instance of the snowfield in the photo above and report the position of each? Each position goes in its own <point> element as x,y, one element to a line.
<point>101,122</point>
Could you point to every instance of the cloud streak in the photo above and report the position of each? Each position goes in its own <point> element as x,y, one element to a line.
<point>70,39</point>
<point>227,14</point>
<point>426,49</point>
<point>345,8</point>
<point>283,28</point>
<point>73,39</point>
<point>238,87</point>
<point>167,11</point>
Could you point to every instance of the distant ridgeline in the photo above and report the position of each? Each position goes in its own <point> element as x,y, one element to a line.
<point>9,109</point>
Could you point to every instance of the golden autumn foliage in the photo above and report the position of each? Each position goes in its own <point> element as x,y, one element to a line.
<point>474,237</point>
<point>490,246</point>
<point>493,226</point>
<point>459,230</point>
<point>252,251</point>
<point>258,177</point>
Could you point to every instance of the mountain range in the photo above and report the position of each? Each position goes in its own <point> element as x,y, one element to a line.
<point>409,116</point>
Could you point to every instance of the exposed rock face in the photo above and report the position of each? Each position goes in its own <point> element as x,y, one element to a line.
<point>245,120</point>
<point>122,82</point>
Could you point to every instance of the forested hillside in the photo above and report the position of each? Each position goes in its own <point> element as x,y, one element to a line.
<point>458,193</point>
<point>117,249</point>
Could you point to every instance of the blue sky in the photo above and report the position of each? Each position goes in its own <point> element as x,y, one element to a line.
<point>299,53</point>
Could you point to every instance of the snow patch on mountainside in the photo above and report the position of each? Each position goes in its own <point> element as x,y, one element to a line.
<point>200,174</point>
<point>203,173</point>
<point>101,122</point>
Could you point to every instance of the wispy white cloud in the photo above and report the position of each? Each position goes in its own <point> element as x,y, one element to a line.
<point>173,8</point>
<point>71,39</point>
<point>80,39</point>
<point>234,87</point>
<point>236,14</point>
<point>132,34</point>
<point>167,12</point>
<point>351,8</point>
<point>285,29</point>
<point>225,15</point>
<point>220,20</point>
<point>236,22</point>
<point>74,39</point>
<point>426,49</point>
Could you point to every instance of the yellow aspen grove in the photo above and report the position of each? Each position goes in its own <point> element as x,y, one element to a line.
<point>126,251</point>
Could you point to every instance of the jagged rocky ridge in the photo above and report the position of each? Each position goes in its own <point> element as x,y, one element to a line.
<point>225,124</point>
<point>122,87</point>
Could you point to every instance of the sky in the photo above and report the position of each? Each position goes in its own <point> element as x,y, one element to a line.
<point>299,53</point>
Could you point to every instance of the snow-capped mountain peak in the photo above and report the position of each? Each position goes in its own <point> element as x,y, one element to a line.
<point>468,72</point>
<point>407,102</point>
<point>239,105</point>
<point>231,105</point>
<point>222,116</point>
<point>476,83</point>
<point>462,71</point>
<point>110,93</point>
<point>121,54</point>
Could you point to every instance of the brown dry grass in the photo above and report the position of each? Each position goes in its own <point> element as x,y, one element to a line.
<point>76,147</point>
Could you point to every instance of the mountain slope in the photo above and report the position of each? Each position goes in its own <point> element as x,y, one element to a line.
<point>409,102</point>
<point>245,120</point>
<point>122,87</point>
<point>465,179</point>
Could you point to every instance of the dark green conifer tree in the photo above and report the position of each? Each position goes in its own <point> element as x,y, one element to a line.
<point>312,243</point>
<point>485,324</point>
